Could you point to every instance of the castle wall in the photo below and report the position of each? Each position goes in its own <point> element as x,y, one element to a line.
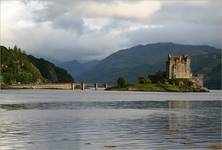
<point>181,71</point>
<point>198,80</point>
<point>179,67</point>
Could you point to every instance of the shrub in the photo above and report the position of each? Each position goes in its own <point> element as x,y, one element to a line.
<point>1,79</point>
<point>144,80</point>
<point>24,77</point>
<point>181,82</point>
<point>121,82</point>
<point>158,77</point>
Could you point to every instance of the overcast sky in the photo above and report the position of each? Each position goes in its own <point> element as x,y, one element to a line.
<point>93,29</point>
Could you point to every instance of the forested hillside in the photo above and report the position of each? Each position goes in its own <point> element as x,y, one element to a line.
<point>18,67</point>
<point>49,71</point>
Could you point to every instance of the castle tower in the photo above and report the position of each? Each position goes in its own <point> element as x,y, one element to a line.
<point>178,67</point>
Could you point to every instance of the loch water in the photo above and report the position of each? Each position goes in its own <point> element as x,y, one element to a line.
<point>100,120</point>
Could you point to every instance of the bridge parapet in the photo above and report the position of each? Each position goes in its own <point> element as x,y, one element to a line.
<point>84,86</point>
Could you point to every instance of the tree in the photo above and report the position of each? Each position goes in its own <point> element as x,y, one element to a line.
<point>158,77</point>
<point>15,48</point>
<point>121,82</point>
<point>1,79</point>
<point>24,77</point>
<point>144,80</point>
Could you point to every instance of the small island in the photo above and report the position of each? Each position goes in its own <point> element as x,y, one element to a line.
<point>177,78</point>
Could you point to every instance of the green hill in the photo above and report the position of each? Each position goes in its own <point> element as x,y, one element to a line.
<point>147,59</point>
<point>76,68</point>
<point>50,71</point>
<point>18,67</point>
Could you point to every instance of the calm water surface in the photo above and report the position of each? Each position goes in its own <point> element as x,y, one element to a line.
<point>97,120</point>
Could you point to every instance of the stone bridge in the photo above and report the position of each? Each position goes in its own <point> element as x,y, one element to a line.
<point>62,86</point>
<point>83,85</point>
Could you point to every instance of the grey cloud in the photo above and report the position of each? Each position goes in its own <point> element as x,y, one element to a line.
<point>50,11</point>
<point>69,22</point>
<point>210,13</point>
<point>67,37</point>
<point>179,33</point>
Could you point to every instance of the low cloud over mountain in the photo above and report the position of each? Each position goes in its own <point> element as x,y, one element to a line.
<point>93,29</point>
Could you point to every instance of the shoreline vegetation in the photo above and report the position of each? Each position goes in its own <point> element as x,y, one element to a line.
<point>158,83</point>
<point>129,87</point>
<point>156,88</point>
<point>179,85</point>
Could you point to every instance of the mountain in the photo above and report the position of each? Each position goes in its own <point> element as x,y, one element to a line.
<point>209,65</point>
<point>147,59</point>
<point>76,68</point>
<point>50,71</point>
<point>16,66</point>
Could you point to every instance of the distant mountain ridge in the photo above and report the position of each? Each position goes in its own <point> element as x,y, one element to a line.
<point>76,68</point>
<point>147,59</point>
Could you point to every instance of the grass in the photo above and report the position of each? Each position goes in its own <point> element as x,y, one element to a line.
<point>155,87</point>
<point>145,87</point>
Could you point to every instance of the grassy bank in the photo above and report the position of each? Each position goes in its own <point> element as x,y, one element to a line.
<point>158,87</point>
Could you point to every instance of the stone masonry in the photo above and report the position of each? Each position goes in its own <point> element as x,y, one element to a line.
<point>178,67</point>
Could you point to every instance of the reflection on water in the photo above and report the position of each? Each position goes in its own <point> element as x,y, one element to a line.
<point>96,125</point>
<point>183,119</point>
<point>197,123</point>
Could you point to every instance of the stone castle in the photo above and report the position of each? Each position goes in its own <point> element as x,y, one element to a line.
<point>178,67</point>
